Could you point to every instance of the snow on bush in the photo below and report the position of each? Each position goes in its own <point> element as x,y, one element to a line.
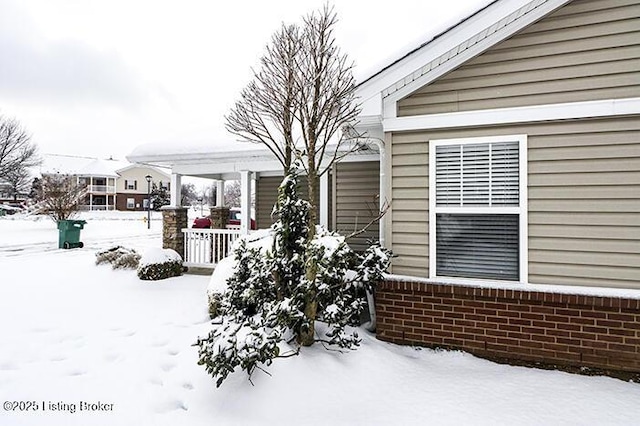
<point>119,257</point>
<point>260,298</point>
<point>158,264</point>
<point>261,239</point>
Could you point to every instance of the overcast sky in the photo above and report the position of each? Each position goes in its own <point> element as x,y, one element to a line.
<point>99,77</point>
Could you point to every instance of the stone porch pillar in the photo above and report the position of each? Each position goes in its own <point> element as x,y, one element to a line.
<point>174,219</point>
<point>219,217</point>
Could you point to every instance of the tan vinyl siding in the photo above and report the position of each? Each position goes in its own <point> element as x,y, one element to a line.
<point>267,195</point>
<point>587,50</point>
<point>583,200</point>
<point>357,189</point>
<point>410,215</point>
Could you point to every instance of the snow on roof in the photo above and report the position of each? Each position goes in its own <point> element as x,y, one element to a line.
<point>63,164</point>
<point>193,148</point>
<point>98,167</point>
<point>438,30</point>
<point>80,166</point>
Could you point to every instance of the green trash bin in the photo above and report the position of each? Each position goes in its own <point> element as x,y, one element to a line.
<point>69,233</point>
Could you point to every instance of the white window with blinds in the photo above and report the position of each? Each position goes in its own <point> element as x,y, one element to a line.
<point>477,208</point>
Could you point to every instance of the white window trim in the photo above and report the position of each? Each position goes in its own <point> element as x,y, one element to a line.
<point>521,210</point>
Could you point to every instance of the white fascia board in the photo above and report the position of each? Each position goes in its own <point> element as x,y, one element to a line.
<point>438,46</point>
<point>416,79</point>
<point>370,92</point>
<point>171,159</point>
<point>222,168</point>
<point>562,111</point>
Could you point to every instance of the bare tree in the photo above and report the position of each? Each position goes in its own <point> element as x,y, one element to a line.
<point>60,197</point>
<point>326,100</point>
<point>297,105</point>
<point>16,150</point>
<point>232,193</point>
<point>20,181</point>
<point>265,112</point>
<point>188,194</point>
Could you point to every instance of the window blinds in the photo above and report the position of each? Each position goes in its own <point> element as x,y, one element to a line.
<point>485,174</point>
<point>477,246</point>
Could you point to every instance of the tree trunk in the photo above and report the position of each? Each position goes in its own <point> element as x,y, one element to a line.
<point>307,337</point>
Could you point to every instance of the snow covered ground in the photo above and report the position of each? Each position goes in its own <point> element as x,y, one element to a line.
<point>73,334</point>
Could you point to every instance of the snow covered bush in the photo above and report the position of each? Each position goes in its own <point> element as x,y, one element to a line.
<point>158,264</point>
<point>119,257</point>
<point>264,301</point>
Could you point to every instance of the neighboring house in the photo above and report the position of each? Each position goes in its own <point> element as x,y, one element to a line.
<point>107,182</point>
<point>132,187</point>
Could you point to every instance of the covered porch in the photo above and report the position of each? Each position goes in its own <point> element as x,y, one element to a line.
<point>350,195</point>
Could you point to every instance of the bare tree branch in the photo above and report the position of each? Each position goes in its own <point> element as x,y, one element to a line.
<point>16,150</point>
<point>60,197</point>
<point>382,212</point>
<point>264,113</point>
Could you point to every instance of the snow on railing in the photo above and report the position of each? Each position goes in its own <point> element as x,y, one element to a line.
<point>206,247</point>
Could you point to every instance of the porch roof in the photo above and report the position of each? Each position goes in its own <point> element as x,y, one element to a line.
<point>221,161</point>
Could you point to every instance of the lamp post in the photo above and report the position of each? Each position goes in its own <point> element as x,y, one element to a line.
<point>148,178</point>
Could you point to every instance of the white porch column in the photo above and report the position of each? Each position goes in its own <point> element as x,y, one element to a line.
<point>245,201</point>
<point>176,190</point>
<point>324,200</point>
<point>219,193</point>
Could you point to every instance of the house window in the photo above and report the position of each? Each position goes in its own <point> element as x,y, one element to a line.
<point>131,184</point>
<point>145,203</point>
<point>477,208</point>
<point>131,203</point>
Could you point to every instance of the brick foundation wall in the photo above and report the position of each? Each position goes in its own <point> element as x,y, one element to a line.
<point>554,328</point>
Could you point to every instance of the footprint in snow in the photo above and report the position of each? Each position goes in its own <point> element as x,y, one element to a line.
<point>187,386</point>
<point>170,405</point>
<point>112,357</point>
<point>75,373</point>
<point>157,343</point>
<point>58,358</point>
<point>156,381</point>
<point>167,366</point>
<point>173,352</point>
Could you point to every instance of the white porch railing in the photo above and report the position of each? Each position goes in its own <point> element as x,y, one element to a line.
<point>204,248</point>
<point>101,188</point>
